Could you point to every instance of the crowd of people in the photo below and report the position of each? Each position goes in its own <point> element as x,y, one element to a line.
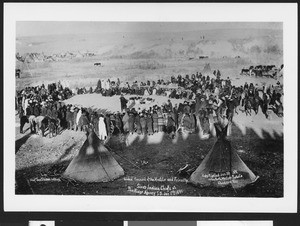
<point>205,101</point>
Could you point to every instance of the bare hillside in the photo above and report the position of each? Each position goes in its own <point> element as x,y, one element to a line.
<point>214,43</point>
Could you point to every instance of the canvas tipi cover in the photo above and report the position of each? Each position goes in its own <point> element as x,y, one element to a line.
<point>222,166</point>
<point>94,163</point>
<point>206,69</point>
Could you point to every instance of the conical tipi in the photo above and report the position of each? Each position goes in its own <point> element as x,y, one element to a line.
<point>222,166</point>
<point>206,69</point>
<point>94,163</point>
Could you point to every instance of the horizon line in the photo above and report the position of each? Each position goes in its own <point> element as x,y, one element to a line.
<point>142,32</point>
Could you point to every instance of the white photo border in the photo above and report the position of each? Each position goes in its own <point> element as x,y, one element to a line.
<point>163,12</point>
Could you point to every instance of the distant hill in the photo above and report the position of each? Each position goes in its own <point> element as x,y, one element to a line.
<point>250,43</point>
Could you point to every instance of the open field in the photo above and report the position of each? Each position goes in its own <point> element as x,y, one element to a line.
<point>140,56</point>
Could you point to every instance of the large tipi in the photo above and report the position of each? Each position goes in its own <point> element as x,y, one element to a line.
<point>94,163</point>
<point>222,166</point>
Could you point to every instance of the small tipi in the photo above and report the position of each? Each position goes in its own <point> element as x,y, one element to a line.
<point>206,69</point>
<point>222,166</point>
<point>94,163</point>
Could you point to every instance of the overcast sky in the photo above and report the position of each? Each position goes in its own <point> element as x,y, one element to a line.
<point>56,28</point>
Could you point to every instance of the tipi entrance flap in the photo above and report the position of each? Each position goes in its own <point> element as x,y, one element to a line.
<point>222,166</point>
<point>94,163</point>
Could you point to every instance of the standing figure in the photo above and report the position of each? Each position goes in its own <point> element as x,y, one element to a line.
<point>138,124</point>
<point>160,121</point>
<point>76,110</point>
<point>95,122</point>
<point>78,115</point>
<point>171,125</point>
<point>84,121</point>
<point>69,118</point>
<point>119,124</point>
<point>102,128</point>
<point>155,122</point>
<point>123,102</point>
<point>131,122</point>
<point>23,118</point>
<point>125,122</point>
<point>149,124</point>
<point>143,124</point>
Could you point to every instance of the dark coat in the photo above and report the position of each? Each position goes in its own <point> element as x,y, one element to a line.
<point>107,123</point>
<point>43,111</point>
<point>123,102</point>
<point>69,115</point>
<point>131,122</point>
<point>21,111</point>
<point>186,109</point>
<point>143,122</point>
<point>149,124</point>
<point>49,112</point>
<point>138,124</point>
<point>31,110</point>
<point>74,116</point>
<point>54,113</point>
<point>170,121</point>
<point>83,120</point>
<point>119,122</point>
<point>155,121</point>
<point>187,122</point>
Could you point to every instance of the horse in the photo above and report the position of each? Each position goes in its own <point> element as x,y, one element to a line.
<point>31,119</point>
<point>203,57</point>
<point>53,127</point>
<point>41,124</point>
<point>252,103</point>
<point>234,103</point>
<point>257,72</point>
<point>23,121</point>
<point>245,71</point>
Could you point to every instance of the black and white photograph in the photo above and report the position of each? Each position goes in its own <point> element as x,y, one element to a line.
<point>190,109</point>
<point>155,109</point>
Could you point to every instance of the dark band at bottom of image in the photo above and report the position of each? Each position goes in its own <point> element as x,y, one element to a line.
<point>141,223</point>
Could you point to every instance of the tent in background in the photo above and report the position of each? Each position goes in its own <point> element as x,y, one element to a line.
<point>206,70</point>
